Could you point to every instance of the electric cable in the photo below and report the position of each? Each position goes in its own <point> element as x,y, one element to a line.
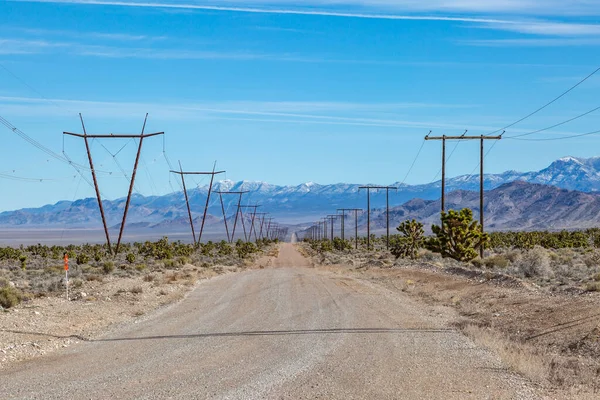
<point>547,104</point>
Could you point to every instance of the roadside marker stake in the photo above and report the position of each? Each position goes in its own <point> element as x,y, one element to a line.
<point>66,259</point>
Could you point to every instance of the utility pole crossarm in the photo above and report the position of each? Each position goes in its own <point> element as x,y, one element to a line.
<point>113,136</point>
<point>463,137</point>
<point>198,173</point>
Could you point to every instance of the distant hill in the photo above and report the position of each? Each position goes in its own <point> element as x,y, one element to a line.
<point>309,201</point>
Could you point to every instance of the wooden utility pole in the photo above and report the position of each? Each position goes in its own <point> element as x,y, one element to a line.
<point>240,193</point>
<point>251,223</point>
<point>481,138</point>
<point>332,219</point>
<point>261,218</point>
<point>85,137</point>
<point>356,210</point>
<point>387,211</point>
<point>187,202</point>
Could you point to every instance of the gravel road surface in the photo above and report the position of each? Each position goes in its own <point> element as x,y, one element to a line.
<point>286,332</point>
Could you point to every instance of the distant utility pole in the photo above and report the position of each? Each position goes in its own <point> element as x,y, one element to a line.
<point>332,218</point>
<point>356,210</point>
<point>387,211</point>
<point>481,138</point>
<point>187,202</point>
<point>251,223</point>
<point>240,193</point>
<point>269,225</point>
<point>85,137</point>
<point>261,218</point>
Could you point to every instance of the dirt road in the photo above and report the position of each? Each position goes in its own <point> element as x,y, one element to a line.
<point>286,332</point>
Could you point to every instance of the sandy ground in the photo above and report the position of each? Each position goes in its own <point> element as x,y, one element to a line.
<point>283,330</point>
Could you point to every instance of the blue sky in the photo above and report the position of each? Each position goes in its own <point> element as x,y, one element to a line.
<point>326,91</point>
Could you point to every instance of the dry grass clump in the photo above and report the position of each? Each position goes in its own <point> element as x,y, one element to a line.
<point>136,290</point>
<point>518,357</point>
<point>10,296</point>
<point>496,261</point>
<point>535,263</point>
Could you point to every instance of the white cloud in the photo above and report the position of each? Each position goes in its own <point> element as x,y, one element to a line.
<point>518,7</point>
<point>537,42</point>
<point>512,12</point>
<point>123,37</point>
<point>545,28</point>
<point>322,113</point>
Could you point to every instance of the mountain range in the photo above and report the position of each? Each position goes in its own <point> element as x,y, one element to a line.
<point>564,193</point>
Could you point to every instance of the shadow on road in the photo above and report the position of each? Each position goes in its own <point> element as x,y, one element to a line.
<point>247,333</point>
<point>282,333</point>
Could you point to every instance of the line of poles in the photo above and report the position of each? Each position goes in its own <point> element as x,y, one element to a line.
<point>322,229</point>
<point>260,225</point>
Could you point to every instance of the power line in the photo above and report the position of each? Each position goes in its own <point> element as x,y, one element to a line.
<point>24,179</point>
<point>556,138</point>
<point>414,162</point>
<point>556,125</point>
<point>547,104</point>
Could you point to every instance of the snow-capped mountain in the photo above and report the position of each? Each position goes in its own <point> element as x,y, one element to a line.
<point>304,202</point>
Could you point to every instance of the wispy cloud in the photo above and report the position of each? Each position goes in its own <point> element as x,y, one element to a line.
<point>26,46</point>
<point>265,10</point>
<point>514,7</point>
<point>283,112</point>
<point>121,37</point>
<point>547,28</point>
<point>537,42</point>
<point>476,12</point>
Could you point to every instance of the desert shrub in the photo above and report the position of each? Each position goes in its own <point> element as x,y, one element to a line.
<point>593,287</point>
<point>91,278</point>
<point>170,264</point>
<point>97,256</point>
<point>477,262</point>
<point>136,289</point>
<point>54,269</point>
<point>410,241</point>
<point>9,253</point>
<point>10,296</point>
<point>160,250</point>
<point>130,257</point>
<point>183,260</point>
<point>148,278</point>
<point>592,259</point>
<point>108,267</point>
<point>497,261</point>
<point>245,249</point>
<point>76,283</point>
<point>341,245</point>
<point>224,249</point>
<point>207,248</point>
<point>513,256</point>
<point>458,236</point>
<point>535,263</point>
<point>428,255</point>
<point>325,246</point>
<point>140,267</point>
<point>82,258</point>
<point>23,260</point>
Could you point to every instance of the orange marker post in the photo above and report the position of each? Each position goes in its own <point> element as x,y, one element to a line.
<point>66,260</point>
